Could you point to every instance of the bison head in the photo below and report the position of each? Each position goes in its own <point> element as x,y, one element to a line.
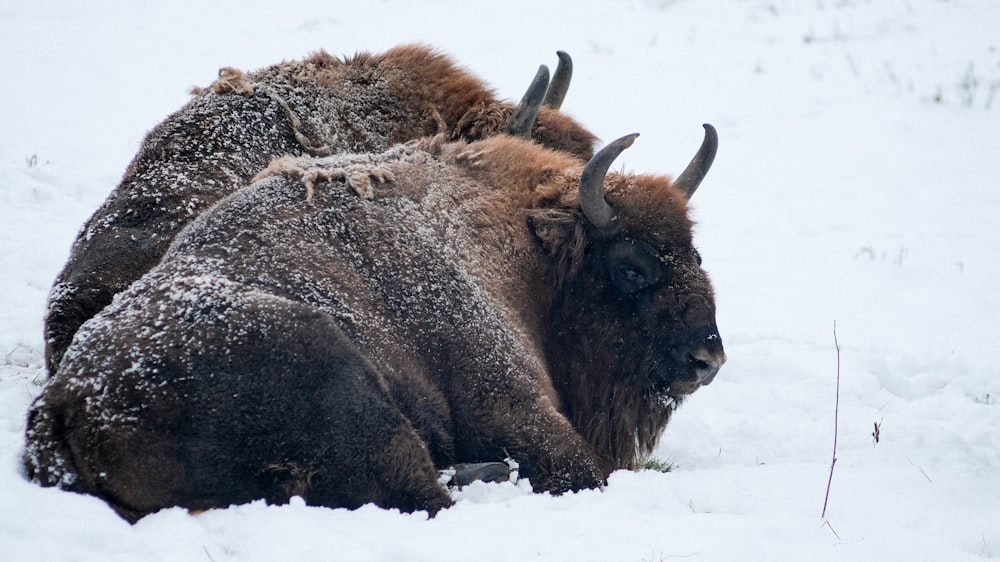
<point>633,320</point>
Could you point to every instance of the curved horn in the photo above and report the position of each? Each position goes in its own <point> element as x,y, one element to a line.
<point>556,93</point>
<point>523,118</point>
<point>595,207</point>
<point>691,177</point>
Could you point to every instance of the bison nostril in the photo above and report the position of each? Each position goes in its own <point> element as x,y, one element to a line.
<point>707,363</point>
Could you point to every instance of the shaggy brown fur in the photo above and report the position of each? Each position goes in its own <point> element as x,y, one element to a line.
<point>347,349</point>
<point>232,130</point>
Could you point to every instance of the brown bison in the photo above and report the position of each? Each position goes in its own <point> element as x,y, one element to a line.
<point>491,299</point>
<point>229,132</point>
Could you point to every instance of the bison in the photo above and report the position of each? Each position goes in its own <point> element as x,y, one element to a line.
<point>229,132</point>
<point>491,299</point>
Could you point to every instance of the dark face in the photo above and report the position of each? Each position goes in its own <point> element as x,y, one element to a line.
<point>662,300</point>
<point>633,308</point>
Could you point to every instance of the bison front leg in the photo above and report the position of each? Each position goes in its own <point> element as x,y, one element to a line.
<point>512,416</point>
<point>551,454</point>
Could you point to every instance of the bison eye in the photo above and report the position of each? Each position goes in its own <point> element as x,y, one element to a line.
<point>633,266</point>
<point>629,280</point>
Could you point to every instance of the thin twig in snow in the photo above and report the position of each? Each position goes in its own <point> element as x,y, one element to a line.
<point>920,469</point>
<point>6,357</point>
<point>836,413</point>
<point>832,530</point>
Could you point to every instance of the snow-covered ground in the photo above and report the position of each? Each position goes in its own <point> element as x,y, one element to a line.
<point>857,182</point>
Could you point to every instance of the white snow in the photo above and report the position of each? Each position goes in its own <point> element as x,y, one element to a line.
<point>857,182</point>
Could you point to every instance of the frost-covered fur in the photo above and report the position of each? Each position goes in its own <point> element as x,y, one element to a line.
<point>233,129</point>
<point>345,349</point>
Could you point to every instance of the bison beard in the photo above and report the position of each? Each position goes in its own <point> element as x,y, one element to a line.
<point>344,350</point>
<point>232,130</point>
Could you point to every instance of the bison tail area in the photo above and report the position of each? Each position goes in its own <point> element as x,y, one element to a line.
<point>49,458</point>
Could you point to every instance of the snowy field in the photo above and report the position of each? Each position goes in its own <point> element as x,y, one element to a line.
<point>857,182</point>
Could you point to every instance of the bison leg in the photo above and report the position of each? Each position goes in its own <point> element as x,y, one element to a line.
<point>554,458</point>
<point>511,416</point>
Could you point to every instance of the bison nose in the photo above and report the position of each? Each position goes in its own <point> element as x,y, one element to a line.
<point>707,363</point>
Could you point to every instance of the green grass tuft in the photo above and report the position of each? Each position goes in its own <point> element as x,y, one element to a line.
<point>659,465</point>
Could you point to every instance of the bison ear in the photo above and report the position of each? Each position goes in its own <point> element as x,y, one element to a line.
<point>555,230</point>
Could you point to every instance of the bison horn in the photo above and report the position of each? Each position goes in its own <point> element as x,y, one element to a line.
<point>556,93</point>
<point>595,207</point>
<point>691,177</point>
<point>523,118</point>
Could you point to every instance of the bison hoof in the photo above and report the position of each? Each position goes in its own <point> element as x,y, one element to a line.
<point>465,474</point>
